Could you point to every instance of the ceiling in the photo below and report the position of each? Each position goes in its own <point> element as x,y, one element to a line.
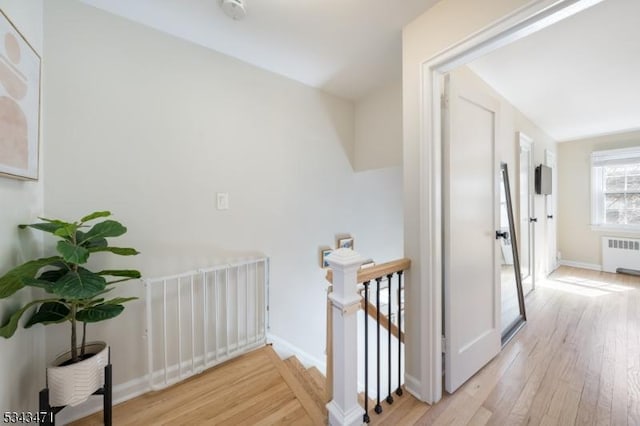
<point>577,78</point>
<point>347,48</point>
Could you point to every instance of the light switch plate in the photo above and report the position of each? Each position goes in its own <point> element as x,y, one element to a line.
<point>222,199</point>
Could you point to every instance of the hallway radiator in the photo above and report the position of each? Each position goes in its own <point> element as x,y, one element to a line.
<point>620,253</point>
<point>202,318</point>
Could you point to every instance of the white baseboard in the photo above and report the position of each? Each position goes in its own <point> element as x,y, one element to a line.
<point>286,349</point>
<point>412,385</point>
<point>582,265</point>
<point>121,393</point>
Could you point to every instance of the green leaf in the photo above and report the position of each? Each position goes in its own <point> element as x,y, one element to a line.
<point>53,275</point>
<point>46,227</point>
<point>46,285</point>
<point>106,229</point>
<point>106,290</point>
<point>122,251</point>
<point>12,281</point>
<point>79,285</point>
<point>129,273</point>
<point>49,313</point>
<point>56,221</point>
<point>9,328</point>
<point>95,215</point>
<point>72,253</point>
<point>67,231</point>
<point>81,238</point>
<point>99,313</point>
<point>119,300</point>
<point>93,302</point>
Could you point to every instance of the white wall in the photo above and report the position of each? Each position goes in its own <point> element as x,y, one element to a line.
<point>378,128</point>
<point>448,22</point>
<point>151,127</point>
<point>577,242</point>
<point>21,357</point>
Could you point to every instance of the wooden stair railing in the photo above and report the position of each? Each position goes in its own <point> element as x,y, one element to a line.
<point>370,275</point>
<point>372,272</point>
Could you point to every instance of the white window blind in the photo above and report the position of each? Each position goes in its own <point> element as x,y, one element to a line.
<point>616,188</point>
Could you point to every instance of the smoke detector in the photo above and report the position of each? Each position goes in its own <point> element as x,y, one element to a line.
<point>234,9</point>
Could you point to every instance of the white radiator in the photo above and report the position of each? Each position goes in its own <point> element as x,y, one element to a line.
<point>620,253</point>
<point>199,319</point>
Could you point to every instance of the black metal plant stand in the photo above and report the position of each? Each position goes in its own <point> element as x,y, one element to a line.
<point>106,391</point>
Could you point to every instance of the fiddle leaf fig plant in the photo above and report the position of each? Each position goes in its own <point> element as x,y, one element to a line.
<point>74,293</point>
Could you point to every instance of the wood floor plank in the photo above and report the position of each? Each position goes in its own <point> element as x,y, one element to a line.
<point>607,369</point>
<point>557,400</point>
<point>535,340</point>
<point>258,404</point>
<point>393,413</point>
<point>319,383</point>
<point>570,407</point>
<point>301,394</point>
<point>480,418</point>
<point>548,421</point>
<point>304,378</point>
<point>619,395</point>
<point>633,364</point>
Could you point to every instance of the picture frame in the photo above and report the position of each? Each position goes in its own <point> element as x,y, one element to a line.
<point>346,242</point>
<point>19,103</point>
<point>323,257</point>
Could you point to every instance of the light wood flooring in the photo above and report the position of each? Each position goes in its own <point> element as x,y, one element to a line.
<point>255,389</point>
<point>577,361</point>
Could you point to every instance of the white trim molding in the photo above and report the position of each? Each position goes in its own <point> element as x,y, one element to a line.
<point>285,349</point>
<point>581,265</point>
<point>121,393</point>
<point>620,229</point>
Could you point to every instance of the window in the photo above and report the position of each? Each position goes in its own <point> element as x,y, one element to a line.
<point>616,188</point>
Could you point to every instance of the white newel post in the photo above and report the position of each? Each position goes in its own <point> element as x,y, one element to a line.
<point>344,408</point>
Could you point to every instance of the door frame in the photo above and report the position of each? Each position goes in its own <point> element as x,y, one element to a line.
<point>534,16</point>
<point>552,262</point>
<point>526,142</point>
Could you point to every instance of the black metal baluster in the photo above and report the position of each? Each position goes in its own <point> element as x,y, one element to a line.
<point>399,390</point>
<point>365,418</point>
<point>389,397</point>
<point>378,408</point>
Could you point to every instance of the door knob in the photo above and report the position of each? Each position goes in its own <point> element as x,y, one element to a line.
<point>550,216</point>
<point>533,219</point>
<point>502,234</point>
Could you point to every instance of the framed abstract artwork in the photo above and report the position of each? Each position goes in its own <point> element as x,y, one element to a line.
<point>19,103</point>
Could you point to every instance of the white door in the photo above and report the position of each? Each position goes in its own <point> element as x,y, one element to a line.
<point>471,251</point>
<point>527,219</point>
<point>551,210</point>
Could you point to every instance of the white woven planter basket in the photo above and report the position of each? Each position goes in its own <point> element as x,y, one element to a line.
<point>73,384</point>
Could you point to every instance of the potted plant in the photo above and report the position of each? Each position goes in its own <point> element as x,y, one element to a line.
<point>73,294</point>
